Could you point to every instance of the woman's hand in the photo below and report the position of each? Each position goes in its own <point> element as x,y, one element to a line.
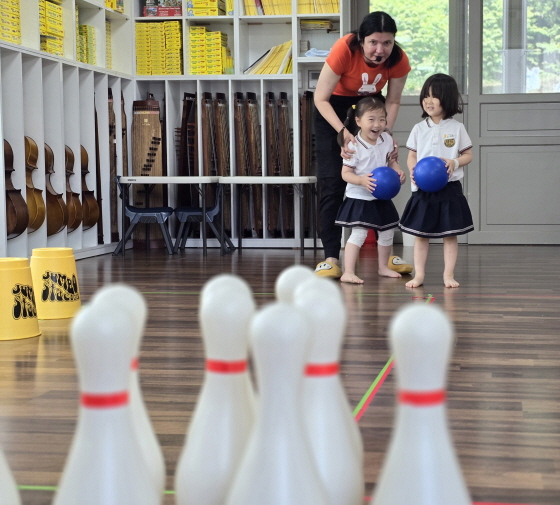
<point>346,152</point>
<point>368,182</point>
<point>412,176</point>
<point>402,175</point>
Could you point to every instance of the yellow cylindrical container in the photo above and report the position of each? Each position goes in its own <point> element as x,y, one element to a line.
<point>18,312</point>
<point>55,282</point>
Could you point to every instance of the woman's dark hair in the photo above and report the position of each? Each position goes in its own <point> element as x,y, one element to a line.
<point>445,89</point>
<point>356,111</point>
<point>376,22</point>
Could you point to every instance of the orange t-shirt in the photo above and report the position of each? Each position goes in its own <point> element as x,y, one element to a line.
<point>356,76</point>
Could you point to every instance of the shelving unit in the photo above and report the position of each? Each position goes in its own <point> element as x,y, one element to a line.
<point>53,99</point>
<point>57,95</point>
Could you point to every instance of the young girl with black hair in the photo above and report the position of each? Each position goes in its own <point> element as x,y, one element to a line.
<point>361,210</point>
<point>445,213</point>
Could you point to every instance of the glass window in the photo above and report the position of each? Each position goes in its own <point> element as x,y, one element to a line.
<point>424,38</point>
<point>521,46</point>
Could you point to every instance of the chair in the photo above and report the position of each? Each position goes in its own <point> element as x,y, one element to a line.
<point>147,215</point>
<point>189,215</point>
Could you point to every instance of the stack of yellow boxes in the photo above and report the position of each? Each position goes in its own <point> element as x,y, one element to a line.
<point>10,26</point>
<point>197,53</point>
<point>157,49</point>
<point>318,6</point>
<point>173,48</point>
<point>87,52</point>
<point>143,49</point>
<point>209,54</point>
<point>206,7</point>
<point>111,4</point>
<point>50,23</point>
<point>108,46</point>
<point>216,52</point>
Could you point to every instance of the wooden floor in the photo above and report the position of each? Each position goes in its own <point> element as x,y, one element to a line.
<point>504,381</point>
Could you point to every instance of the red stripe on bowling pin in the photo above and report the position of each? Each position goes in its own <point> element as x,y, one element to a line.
<point>322,369</point>
<point>104,400</point>
<point>422,398</point>
<point>226,366</point>
<point>134,364</point>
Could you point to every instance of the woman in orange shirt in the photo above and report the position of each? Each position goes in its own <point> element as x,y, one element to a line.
<point>359,64</point>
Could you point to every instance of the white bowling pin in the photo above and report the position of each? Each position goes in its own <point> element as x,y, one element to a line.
<point>278,467</point>
<point>225,411</point>
<point>421,466</point>
<point>220,281</point>
<point>9,493</point>
<point>122,295</point>
<point>314,283</point>
<point>334,434</point>
<point>105,465</point>
<point>288,280</point>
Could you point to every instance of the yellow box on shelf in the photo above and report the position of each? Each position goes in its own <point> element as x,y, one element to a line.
<point>197,29</point>
<point>230,7</point>
<point>206,4</point>
<point>111,4</point>
<point>206,12</point>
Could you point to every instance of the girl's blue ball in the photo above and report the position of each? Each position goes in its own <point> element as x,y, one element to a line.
<point>430,174</point>
<point>387,181</point>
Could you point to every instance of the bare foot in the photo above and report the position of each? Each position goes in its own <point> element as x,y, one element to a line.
<point>450,282</point>
<point>416,282</point>
<point>351,278</point>
<point>386,272</point>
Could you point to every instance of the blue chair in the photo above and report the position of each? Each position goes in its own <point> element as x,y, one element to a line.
<point>189,215</point>
<point>147,215</point>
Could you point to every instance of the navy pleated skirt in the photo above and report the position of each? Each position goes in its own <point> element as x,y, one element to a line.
<point>444,213</point>
<point>375,214</point>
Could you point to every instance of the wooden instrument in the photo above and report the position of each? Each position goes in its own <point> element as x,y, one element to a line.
<point>90,207</point>
<point>147,160</point>
<point>273,167</point>
<point>124,134</point>
<point>72,199</point>
<point>242,155</point>
<point>113,198</point>
<point>255,162</point>
<point>208,143</point>
<point>306,150</point>
<point>17,213</point>
<point>35,202</point>
<point>98,183</point>
<point>57,211</point>
<point>286,161</point>
<point>186,151</point>
<point>221,123</point>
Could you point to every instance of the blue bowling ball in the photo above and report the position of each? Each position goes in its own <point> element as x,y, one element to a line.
<point>387,181</point>
<point>430,174</point>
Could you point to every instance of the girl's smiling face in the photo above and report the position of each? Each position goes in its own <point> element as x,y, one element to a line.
<point>372,123</point>
<point>433,108</point>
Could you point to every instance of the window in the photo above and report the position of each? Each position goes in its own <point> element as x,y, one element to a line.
<point>521,46</point>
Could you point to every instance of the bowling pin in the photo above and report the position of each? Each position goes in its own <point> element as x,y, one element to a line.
<point>221,280</point>
<point>288,280</point>
<point>421,466</point>
<point>334,434</point>
<point>105,465</point>
<point>278,467</point>
<point>225,411</point>
<point>314,283</point>
<point>122,295</point>
<point>9,493</point>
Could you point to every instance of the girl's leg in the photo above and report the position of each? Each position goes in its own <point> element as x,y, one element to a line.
<point>450,251</point>
<point>421,247</point>
<point>351,253</point>
<point>384,246</point>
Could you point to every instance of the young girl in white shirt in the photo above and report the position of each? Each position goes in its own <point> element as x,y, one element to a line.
<point>361,210</point>
<point>445,213</point>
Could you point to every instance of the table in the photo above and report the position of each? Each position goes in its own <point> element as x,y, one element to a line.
<point>297,182</point>
<point>149,180</point>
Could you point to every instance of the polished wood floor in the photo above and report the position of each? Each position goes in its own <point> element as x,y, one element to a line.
<point>504,381</point>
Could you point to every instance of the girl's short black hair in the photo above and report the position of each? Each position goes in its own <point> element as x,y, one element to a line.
<point>364,105</point>
<point>376,22</point>
<point>445,89</point>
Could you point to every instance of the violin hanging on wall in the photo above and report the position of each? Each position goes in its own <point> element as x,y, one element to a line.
<point>35,202</point>
<point>17,213</point>
<point>72,199</point>
<point>57,211</point>
<point>89,203</point>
